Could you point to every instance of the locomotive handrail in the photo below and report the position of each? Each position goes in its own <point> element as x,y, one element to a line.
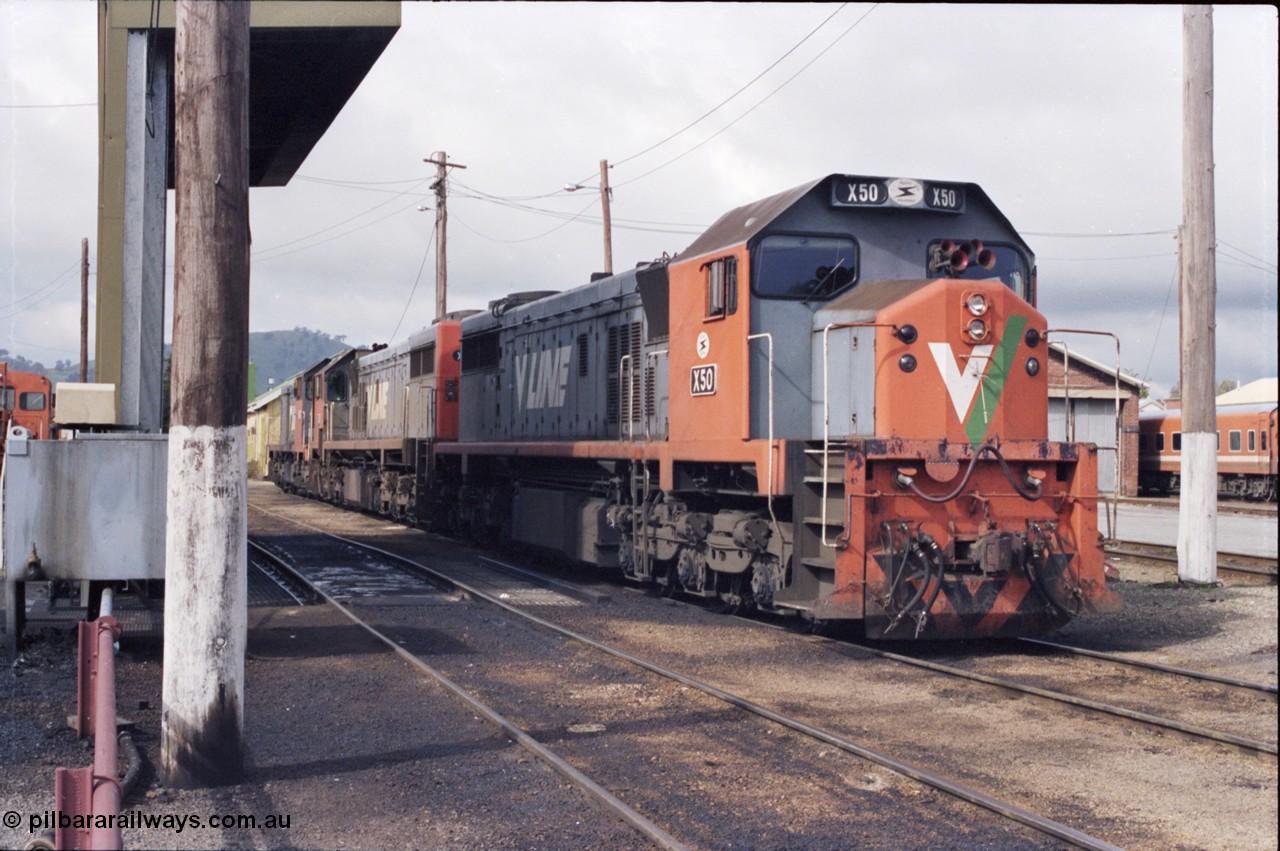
<point>1113,504</point>
<point>644,398</point>
<point>625,364</point>
<point>433,427</point>
<point>765,335</point>
<point>404,412</point>
<point>826,408</point>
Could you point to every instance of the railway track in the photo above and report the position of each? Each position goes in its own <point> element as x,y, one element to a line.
<point>1249,569</point>
<point>778,692</point>
<point>744,706</point>
<point>1117,690</point>
<point>1228,506</point>
<point>1246,686</point>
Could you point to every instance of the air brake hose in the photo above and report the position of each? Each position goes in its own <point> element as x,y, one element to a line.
<point>1029,495</point>
<point>941,561</point>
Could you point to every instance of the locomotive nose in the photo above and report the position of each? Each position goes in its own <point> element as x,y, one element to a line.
<point>951,354</point>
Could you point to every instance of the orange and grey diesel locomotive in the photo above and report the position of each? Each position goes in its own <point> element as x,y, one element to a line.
<point>833,403</point>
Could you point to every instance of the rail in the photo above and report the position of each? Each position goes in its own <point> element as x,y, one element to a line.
<point>607,799</point>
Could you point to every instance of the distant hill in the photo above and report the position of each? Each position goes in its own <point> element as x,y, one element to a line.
<point>276,355</point>
<point>63,370</point>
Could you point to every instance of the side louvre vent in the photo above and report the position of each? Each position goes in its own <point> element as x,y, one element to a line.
<point>625,340</point>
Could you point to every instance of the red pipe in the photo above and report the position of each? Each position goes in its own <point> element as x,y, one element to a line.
<point>107,791</point>
<point>93,791</point>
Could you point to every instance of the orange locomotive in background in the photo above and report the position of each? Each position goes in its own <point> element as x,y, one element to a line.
<point>26,400</point>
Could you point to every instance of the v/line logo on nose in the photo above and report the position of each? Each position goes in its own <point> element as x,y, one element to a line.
<point>983,375</point>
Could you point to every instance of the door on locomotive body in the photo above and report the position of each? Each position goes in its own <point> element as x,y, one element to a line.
<point>798,271</point>
<point>420,387</point>
<point>284,427</point>
<point>708,350</point>
<point>310,396</point>
<point>448,379</point>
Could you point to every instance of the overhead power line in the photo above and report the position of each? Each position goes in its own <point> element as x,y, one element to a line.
<point>431,241</point>
<point>25,303</point>
<point>746,86</point>
<point>758,103</point>
<point>567,221</point>
<point>1271,266</point>
<point>267,253</point>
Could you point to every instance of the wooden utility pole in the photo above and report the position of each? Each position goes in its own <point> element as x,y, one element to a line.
<point>1198,504</point>
<point>441,161</point>
<point>608,222</point>
<point>206,560</point>
<point>84,310</point>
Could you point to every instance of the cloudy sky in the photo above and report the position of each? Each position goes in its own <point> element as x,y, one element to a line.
<point>1068,116</point>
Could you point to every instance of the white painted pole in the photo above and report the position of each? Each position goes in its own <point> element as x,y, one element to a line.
<point>1198,505</point>
<point>206,558</point>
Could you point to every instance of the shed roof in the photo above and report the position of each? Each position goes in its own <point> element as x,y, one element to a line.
<point>1262,390</point>
<point>305,61</point>
<point>1060,351</point>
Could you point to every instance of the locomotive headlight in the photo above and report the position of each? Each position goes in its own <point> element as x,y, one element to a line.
<point>1032,337</point>
<point>1033,367</point>
<point>907,334</point>
<point>976,303</point>
<point>977,330</point>
<point>907,363</point>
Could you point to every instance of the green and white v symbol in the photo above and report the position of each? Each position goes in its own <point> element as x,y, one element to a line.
<point>983,376</point>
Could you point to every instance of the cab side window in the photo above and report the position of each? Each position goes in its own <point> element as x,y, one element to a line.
<point>722,287</point>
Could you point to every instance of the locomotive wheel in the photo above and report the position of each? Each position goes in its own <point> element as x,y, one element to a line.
<point>668,581</point>
<point>818,626</point>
